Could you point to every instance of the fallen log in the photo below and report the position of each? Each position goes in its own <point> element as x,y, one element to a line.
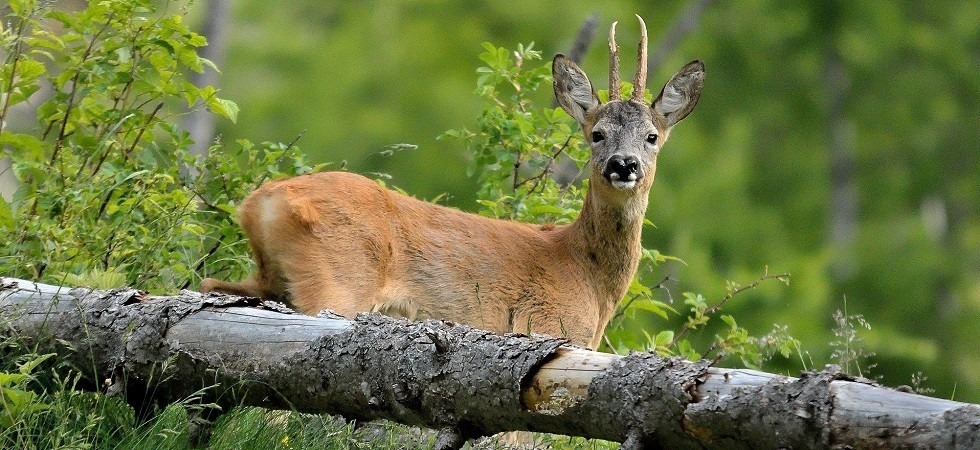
<point>460,380</point>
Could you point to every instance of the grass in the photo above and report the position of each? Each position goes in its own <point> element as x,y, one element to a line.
<point>72,419</point>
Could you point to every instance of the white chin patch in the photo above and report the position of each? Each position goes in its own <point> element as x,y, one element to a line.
<point>619,184</point>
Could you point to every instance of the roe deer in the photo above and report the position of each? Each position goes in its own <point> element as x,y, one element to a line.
<point>339,241</point>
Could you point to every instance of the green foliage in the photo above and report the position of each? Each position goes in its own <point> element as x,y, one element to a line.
<point>517,144</point>
<point>17,402</point>
<point>40,409</point>
<point>108,193</point>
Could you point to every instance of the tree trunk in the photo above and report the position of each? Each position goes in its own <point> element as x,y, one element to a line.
<point>685,23</point>
<point>199,122</point>
<point>463,381</point>
<point>843,208</point>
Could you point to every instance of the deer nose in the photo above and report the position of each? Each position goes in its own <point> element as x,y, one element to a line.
<point>623,171</point>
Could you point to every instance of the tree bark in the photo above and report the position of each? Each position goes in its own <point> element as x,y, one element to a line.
<point>463,381</point>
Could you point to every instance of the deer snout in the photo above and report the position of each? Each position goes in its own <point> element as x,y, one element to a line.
<point>623,172</point>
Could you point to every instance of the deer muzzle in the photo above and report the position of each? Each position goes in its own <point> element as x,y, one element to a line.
<point>623,172</point>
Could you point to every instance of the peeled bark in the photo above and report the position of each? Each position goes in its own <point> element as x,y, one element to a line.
<point>463,381</point>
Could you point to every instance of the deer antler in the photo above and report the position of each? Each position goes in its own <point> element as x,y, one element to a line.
<point>613,65</point>
<point>640,81</point>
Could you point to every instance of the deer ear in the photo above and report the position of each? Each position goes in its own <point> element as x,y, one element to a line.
<point>680,94</point>
<point>572,88</point>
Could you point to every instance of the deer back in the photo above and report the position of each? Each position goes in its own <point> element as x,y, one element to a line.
<point>339,241</point>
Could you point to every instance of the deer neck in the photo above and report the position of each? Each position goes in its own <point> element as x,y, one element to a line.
<point>607,236</point>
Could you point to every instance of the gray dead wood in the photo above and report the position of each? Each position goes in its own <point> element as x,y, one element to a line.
<point>457,379</point>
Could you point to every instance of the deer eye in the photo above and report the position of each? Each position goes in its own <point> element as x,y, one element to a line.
<point>597,136</point>
<point>652,139</point>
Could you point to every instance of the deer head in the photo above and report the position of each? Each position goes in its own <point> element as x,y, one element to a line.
<point>625,136</point>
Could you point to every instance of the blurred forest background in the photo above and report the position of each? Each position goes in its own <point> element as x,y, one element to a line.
<point>837,141</point>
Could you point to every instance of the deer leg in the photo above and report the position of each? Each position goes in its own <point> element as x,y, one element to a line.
<point>247,288</point>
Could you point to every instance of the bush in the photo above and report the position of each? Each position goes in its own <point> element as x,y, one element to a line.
<point>108,193</point>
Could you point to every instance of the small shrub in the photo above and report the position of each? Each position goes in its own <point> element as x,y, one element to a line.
<point>108,194</point>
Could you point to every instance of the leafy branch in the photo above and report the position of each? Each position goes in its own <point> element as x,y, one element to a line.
<point>702,314</point>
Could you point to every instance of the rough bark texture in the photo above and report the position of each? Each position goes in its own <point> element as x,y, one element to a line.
<point>459,380</point>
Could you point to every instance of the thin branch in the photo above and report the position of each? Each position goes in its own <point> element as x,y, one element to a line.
<point>278,161</point>
<point>605,338</point>
<point>714,309</point>
<point>622,310</point>
<point>537,179</point>
<point>13,72</point>
<point>74,88</point>
<point>139,135</point>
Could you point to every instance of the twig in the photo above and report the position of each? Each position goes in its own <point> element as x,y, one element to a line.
<point>621,311</point>
<point>605,339</point>
<point>726,298</point>
<point>139,135</point>
<point>13,72</point>
<point>544,171</point>
<point>284,153</point>
<point>74,89</point>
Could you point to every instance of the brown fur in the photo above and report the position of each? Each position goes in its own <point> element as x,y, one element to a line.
<point>339,241</point>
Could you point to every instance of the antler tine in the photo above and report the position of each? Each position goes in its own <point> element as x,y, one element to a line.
<point>613,65</point>
<point>640,81</point>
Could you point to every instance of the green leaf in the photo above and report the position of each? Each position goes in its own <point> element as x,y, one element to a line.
<point>696,301</point>
<point>544,208</point>
<point>166,45</point>
<point>6,214</point>
<point>68,20</point>
<point>657,307</point>
<point>96,278</point>
<point>729,320</point>
<point>29,366</point>
<point>227,208</point>
<point>685,349</point>
<point>20,7</point>
<point>657,257</point>
<point>664,338</point>
<point>225,108</point>
<point>12,379</point>
<point>24,146</point>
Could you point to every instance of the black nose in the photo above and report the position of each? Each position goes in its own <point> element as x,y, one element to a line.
<point>620,168</point>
